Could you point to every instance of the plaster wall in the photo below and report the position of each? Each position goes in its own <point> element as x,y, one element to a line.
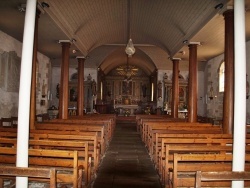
<point>215,106</point>
<point>9,99</point>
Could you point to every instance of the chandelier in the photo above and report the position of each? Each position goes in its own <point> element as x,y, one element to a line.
<point>130,49</point>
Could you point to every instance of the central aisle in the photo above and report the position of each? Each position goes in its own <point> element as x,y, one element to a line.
<point>126,162</point>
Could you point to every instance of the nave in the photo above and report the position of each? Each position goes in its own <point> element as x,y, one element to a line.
<point>126,162</point>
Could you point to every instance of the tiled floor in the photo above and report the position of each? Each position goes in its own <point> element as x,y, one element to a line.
<point>126,162</point>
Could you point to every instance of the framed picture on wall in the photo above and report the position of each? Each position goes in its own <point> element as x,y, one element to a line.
<point>126,88</point>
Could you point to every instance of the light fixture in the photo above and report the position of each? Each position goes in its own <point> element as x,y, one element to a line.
<point>130,49</point>
<point>211,91</point>
<point>44,4</point>
<point>219,6</point>
<point>185,41</point>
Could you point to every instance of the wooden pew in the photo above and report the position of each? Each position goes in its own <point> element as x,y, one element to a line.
<point>78,128</point>
<point>93,146</point>
<point>188,139</point>
<point>142,122</point>
<point>220,176</point>
<point>109,127</point>
<point>167,161</point>
<point>154,137</point>
<point>141,119</point>
<point>185,166</point>
<point>157,146</point>
<point>65,163</point>
<point>11,171</point>
<point>186,145</point>
<point>84,157</point>
<point>173,128</point>
<point>176,127</point>
<point>91,138</point>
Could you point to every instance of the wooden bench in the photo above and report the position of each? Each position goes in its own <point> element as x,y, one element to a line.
<point>11,171</point>
<point>185,166</point>
<point>78,128</point>
<point>176,127</point>
<point>186,145</point>
<point>220,176</point>
<point>84,159</point>
<point>156,135</point>
<point>187,139</point>
<point>143,122</point>
<point>109,127</point>
<point>141,119</point>
<point>65,163</point>
<point>91,138</point>
<point>186,128</point>
<point>167,160</point>
<point>156,141</point>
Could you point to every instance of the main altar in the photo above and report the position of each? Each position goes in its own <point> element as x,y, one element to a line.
<point>126,109</point>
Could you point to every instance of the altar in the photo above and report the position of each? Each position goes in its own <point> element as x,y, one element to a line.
<point>126,109</point>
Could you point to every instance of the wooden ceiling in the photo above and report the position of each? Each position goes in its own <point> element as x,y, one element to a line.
<point>102,28</point>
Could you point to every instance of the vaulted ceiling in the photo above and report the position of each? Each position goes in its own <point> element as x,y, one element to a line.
<point>102,28</point>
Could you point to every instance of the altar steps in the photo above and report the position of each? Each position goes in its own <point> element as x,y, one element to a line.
<point>125,119</point>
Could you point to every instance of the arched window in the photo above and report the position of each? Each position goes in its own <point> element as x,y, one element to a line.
<point>222,77</point>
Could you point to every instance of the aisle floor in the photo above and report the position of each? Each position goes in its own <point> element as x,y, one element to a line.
<point>126,162</point>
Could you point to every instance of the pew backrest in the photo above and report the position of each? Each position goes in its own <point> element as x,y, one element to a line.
<point>220,176</point>
<point>31,172</point>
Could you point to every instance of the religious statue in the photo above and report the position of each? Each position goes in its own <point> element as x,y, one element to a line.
<point>57,90</point>
<point>89,77</point>
<point>165,78</point>
<point>159,89</point>
<point>93,87</point>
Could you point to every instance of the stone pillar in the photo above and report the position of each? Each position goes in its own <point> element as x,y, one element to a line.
<point>228,106</point>
<point>33,79</point>
<point>64,83</point>
<point>192,83</point>
<point>175,89</point>
<point>80,90</point>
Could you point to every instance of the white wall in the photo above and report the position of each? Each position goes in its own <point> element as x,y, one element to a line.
<point>9,100</point>
<point>215,106</point>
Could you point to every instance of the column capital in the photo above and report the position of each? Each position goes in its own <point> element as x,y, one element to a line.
<point>80,57</point>
<point>194,43</point>
<point>176,59</point>
<point>64,41</point>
